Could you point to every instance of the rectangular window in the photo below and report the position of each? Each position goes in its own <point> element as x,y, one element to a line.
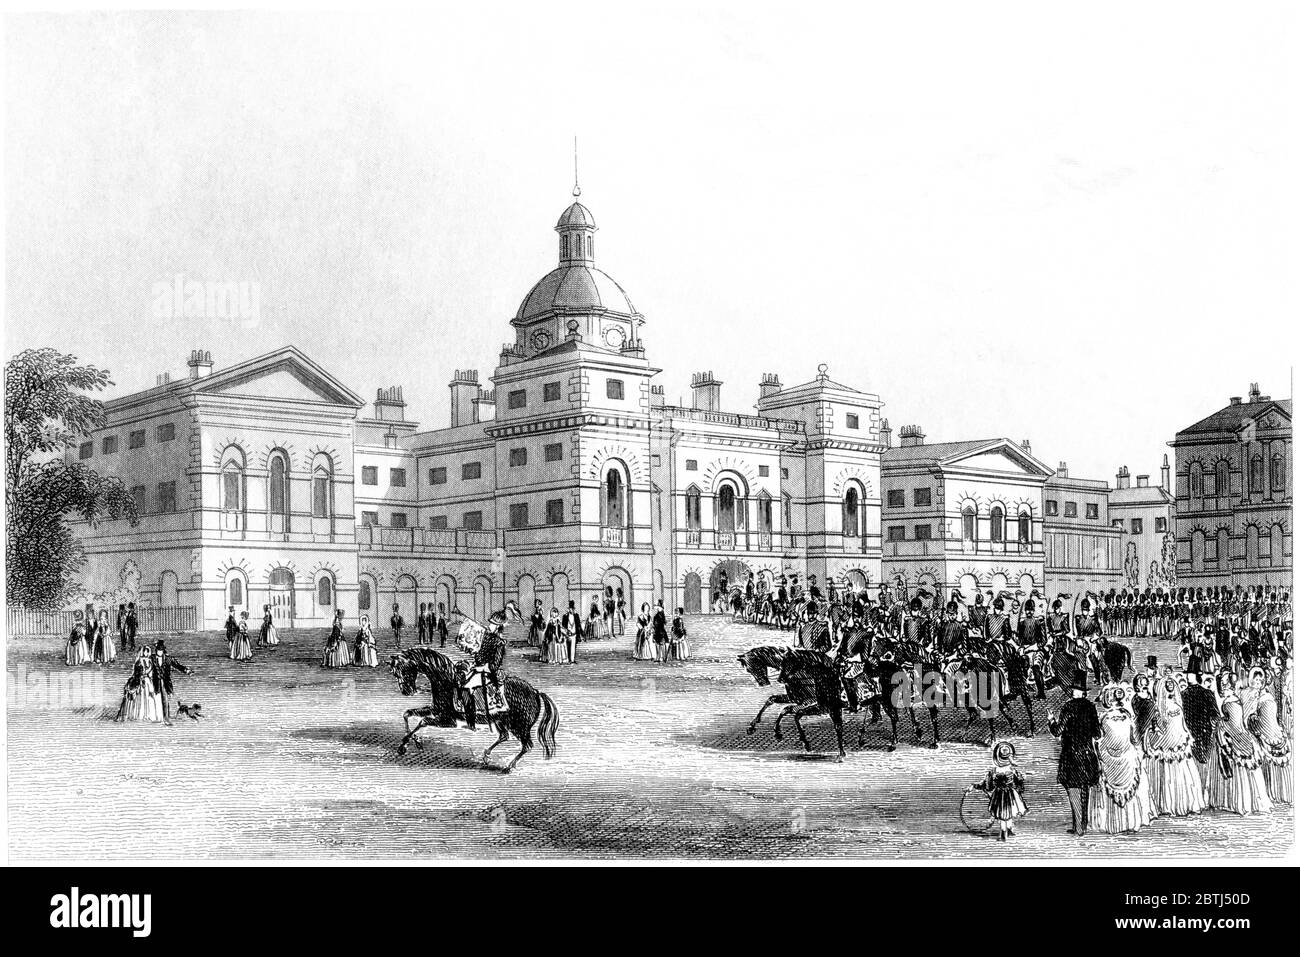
<point>613,388</point>
<point>896,498</point>
<point>473,521</point>
<point>897,533</point>
<point>1136,525</point>
<point>137,498</point>
<point>1091,510</point>
<point>86,450</point>
<point>850,420</point>
<point>471,470</point>
<point>1212,550</point>
<point>1162,525</point>
<point>320,497</point>
<point>921,497</point>
<point>397,520</point>
<point>135,440</point>
<point>437,521</point>
<point>166,432</point>
<point>518,457</point>
<point>166,496</point>
<point>1071,509</point>
<point>230,482</point>
<point>397,478</point>
<point>555,452</point>
<point>551,392</point>
<point>1051,508</point>
<point>518,399</point>
<point>369,518</point>
<point>764,471</point>
<point>519,515</point>
<point>555,511</point>
<point>1117,523</point>
<point>438,476</point>
<point>369,475</point>
<point>785,473</point>
<point>110,444</point>
<point>922,533</point>
<point>692,465</point>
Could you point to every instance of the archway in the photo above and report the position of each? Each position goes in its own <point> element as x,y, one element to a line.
<point>445,596</point>
<point>367,591</point>
<point>727,575</point>
<point>857,580</point>
<point>617,578</point>
<point>281,597</point>
<point>526,590</point>
<point>482,599</point>
<point>560,592</point>
<point>691,593</point>
<point>969,586</point>
<point>405,597</point>
<point>167,584</point>
<point>237,590</point>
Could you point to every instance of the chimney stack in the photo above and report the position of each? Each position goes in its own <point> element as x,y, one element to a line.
<point>1121,477</point>
<point>1164,473</point>
<point>200,364</point>
<point>164,378</point>
<point>389,406</point>
<point>464,390</point>
<point>768,385</point>
<point>910,435</point>
<point>656,396</point>
<point>1062,470</point>
<point>1144,481</point>
<point>485,405</point>
<point>1234,400</point>
<point>706,392</point>
<point>1254,392</point>
<point>886,434</point>
<point>1026,447</point>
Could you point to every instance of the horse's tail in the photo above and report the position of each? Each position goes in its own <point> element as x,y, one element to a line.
<point>549,724</point>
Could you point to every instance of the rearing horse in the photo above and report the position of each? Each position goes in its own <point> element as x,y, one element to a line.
<point>525,705</point>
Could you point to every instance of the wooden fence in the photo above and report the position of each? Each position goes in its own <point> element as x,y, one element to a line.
<point>29,623</point>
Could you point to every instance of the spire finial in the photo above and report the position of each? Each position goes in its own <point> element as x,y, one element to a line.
<point>577,190</point>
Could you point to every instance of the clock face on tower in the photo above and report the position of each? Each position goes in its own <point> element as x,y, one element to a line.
<point>541,340</point>
<point>615,337</point>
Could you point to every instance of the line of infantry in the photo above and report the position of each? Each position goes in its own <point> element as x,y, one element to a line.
<point>1162,613</point>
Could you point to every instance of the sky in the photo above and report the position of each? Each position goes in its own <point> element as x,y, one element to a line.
<point>1068,223</point>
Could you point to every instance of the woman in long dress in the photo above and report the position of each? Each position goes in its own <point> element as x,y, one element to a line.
<point>337,652</point>
<point>241,649</point>
<point>594,621</point>
<point>679,649</point>
<point>104,650</point>
<point>644,650</point>
<point>1120,800</point>
<point>1274,742</point>
<point>141,698</point>
<point>78,652</point>
<point>1175,781</point>
<point>1236,778</point>
<point>366,656</point>
<point>554,648</point>
<point>269,634</point>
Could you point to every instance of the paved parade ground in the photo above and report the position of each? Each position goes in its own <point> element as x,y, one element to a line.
<point>295,761</point>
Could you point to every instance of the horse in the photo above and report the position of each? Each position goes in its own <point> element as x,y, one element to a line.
<point>525,705</point>
<point>812,686</point>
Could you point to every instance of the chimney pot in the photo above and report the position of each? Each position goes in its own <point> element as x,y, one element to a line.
<point>911,435</point>
<point>706,392</point>
<point>200,363</point>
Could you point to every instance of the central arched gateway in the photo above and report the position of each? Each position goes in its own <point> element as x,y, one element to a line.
<point>617,578</point>
<point>728,574</point>
<point>691,593</point>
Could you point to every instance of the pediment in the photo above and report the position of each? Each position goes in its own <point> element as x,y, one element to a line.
<point>1002,459</point>
<point>287,375</point>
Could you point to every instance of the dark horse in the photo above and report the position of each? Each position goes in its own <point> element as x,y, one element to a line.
<point>812,686</point>
<point>525,704</point>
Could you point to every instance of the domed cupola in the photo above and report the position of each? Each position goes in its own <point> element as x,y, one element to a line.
<point>577,229</point>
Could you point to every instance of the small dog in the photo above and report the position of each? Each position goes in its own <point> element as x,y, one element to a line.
<point>192,711</point>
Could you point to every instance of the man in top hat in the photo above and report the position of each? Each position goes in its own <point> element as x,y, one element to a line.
<point>422,624</point>
<point>132,625</point>
<point>571,623</point>
<point>1077,769</point>
<point>1201,713</point>
<point>1152,670</point>
<point>397,622</point>
<point>163,666</point>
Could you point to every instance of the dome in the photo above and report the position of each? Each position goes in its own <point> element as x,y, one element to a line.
<point>575,288</point>
<point>576,215</point>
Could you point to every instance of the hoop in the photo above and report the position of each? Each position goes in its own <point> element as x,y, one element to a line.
<point>965,811</point>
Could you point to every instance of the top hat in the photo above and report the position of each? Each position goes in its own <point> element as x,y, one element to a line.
<point>1193,665</point>
<point>1151,661</point>
<point>1080,680</point>
<point>160,645</point>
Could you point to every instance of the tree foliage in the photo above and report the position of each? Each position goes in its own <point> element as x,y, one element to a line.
<point>46,411</point>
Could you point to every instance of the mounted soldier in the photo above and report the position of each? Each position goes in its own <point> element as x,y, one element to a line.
<point>484,674</point>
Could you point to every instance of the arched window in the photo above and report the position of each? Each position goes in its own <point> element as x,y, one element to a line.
<point>614,514</point>
<point>1277,474</point>
<point>1194,479</point>
<point>764,512</point>
<point>726,508</point>
<point>693,509</point>
<point>1257,473</point>
<point>236,592</point>
<point>363,595</point>
<point>564,247</point>
<point>997,523</point>
<point>1198,550</point>
<point>850,517</point>
<point>277,493</point>
<point>322,492</point>
<point>1024,528</point>
<point>968,524</point>
<point>1221,478</point>
<point>324,592</point>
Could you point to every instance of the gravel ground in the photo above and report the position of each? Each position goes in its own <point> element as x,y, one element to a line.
<point>293,761</point>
